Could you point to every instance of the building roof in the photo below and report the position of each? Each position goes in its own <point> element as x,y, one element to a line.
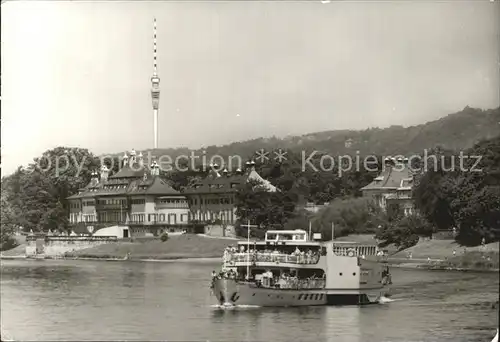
<point>134,178</point>
<point>135,170</point>
<point>220,184</point>
<point>145,185</point>
<point>392,177</point>
<point>152,186</point>
<point>217,183</point>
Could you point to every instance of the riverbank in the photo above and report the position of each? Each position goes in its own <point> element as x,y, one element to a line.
<point>185,246</point>
<point>426,255</point>
<point>442,249</point>
<point>179,247</point>
<point>425,267</point>
<point>472,261</point>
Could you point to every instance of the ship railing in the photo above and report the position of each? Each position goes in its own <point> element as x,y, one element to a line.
<point>296,284</point>
<point>300,284</point>
<point>274,258</point>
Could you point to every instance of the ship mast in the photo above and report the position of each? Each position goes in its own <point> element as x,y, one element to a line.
<point>248,250</point>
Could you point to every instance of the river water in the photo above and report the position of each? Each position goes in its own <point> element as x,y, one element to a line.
<point>87,300</point>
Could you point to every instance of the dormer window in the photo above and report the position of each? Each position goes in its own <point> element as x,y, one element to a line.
<point>379,178</point>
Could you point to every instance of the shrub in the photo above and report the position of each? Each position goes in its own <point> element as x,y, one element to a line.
<point>350,216</point>
<point>164,237</point>
<point>8,242</point>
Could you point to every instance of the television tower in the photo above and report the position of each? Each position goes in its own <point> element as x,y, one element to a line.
<point>155,89</point>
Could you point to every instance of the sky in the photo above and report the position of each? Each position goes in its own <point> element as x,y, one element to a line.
<point>78,73</point>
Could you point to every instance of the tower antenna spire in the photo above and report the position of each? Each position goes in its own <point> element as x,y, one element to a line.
<point>154,48</point>
<point>155,88</point>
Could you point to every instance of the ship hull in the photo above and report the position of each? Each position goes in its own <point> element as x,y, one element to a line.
<point>231,293</point>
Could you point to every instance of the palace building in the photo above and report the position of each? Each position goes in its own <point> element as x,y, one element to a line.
<point>135,196</point>
<point>213,198</point>
<point>392,188</point>
<point>140,201</point>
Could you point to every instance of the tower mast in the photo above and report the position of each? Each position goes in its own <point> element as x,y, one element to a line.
<point>155,89</point>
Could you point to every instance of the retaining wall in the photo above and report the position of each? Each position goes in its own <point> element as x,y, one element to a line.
<point>56,246</point>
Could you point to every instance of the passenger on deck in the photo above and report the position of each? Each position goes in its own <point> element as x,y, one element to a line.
<point>309,256</point>
<point>234,274</point>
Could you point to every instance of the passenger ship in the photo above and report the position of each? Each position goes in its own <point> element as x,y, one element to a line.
<point>288,269</point>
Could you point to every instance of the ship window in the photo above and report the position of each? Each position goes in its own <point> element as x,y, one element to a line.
<point>340,273</point>
<point>354,274</point>
<point>316,297</point>
<point>305,297</point>
<point>300,296</point>
<point>253,294</point>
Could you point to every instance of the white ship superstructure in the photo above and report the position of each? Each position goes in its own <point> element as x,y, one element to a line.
<point>287,269</point>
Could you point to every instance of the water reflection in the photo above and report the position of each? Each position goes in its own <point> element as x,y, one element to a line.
<point>75,300</point>
<point>321,322</point>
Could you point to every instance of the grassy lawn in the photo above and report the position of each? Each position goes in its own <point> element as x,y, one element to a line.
<point>473,260</point>
<point>182,246</point>
<point>359,238</point>
<point>441,249</point>
<point>16,251</point>
<point>19,250</point>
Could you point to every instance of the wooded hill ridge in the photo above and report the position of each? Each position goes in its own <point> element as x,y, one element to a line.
<point>456,131</point>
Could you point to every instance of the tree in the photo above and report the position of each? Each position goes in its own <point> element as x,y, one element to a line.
<point>11,192</point>
<point>263,208</point>
<point>183,177</point>
<point>349,216</point>
<point>69,169</point>
<point>435,189</point>
<point>8,224</point>
<point>461,194</point>
<point>404,232</point>
<point>37,194</point>
<point>476,204</point>
<point>300,220</point>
